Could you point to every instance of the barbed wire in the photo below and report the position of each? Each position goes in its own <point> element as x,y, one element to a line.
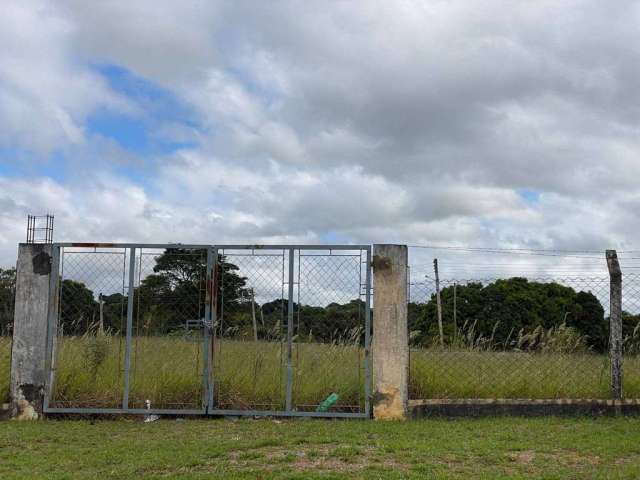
<point>583,254</point>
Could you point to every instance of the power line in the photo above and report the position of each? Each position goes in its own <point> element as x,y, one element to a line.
<point>518,251</point>
<point>552,250</point>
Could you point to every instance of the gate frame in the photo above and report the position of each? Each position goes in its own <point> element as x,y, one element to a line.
<point>208,380</point>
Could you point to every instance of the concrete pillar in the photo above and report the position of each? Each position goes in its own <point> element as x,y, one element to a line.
<point>390,333</point>
<point>28,353</point>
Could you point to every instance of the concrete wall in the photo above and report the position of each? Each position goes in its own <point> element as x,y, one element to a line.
<point>390,332</point>
<point>28,354</point>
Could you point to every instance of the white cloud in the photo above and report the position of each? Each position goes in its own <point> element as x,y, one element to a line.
<point>412,122</point>
<point>45,93</point>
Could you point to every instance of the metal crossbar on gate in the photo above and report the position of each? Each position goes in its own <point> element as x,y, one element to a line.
<point>282,330</point>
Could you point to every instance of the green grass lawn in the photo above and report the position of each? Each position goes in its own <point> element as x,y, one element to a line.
<point>481,448</point>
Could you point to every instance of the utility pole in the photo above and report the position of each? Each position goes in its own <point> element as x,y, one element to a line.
<point>439,302</point>
<point>101,328</point>
<point>253,315</point>
<point>455,311</point>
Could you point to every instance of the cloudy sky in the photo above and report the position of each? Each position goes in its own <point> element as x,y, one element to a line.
<point>476,123</point>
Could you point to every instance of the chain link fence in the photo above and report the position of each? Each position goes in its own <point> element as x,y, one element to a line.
<point>541,337</point>
<point>89,348</point>
<point>289,330</point>
<point>228,329</point>
<point>167,364</point>
<point>7,302</point>
<point>250,330</point>
<point>631,335</point>
<point>162,366</point>
<point>329,355</point>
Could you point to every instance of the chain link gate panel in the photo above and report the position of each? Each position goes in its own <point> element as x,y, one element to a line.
<point>127,329</point>
<point>88,328</point>
<point>273,353</point>
<point>248,340</point>
<point>197,329</point>
<point>330,324</point>
<point>167,348</point>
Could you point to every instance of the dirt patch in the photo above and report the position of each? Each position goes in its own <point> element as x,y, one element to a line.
<point>522,458</point>
<point>570,458</point>
<point>317,457</point>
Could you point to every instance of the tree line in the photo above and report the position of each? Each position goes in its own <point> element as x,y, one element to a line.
<point>504,308</point>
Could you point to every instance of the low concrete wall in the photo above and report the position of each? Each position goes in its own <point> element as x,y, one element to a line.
<point>489,407</point>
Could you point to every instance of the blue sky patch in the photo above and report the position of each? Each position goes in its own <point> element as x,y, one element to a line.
<point>530,196</point>
<point>16,162</point>
<point>138,132</point>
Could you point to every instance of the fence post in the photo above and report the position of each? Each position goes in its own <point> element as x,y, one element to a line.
<point>34,290</point>
<point>390,347</point>
<point>615,324</point>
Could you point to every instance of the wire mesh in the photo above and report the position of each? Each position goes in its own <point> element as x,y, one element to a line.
<point>167,346</point>
<point>538,338</point>
<point>7,302</point>
<point>631,335</point>
<point>329,316</point>
<point>89,345</point>
<point>249,353</point>
<point>183,329</point>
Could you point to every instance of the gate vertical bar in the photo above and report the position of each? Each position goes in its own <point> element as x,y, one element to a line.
<point>205,331</point>
<point>127,349</point>
<point>289,390</point>
<point>52,327</point>
<point>211,343</point>
<point>367,336</point>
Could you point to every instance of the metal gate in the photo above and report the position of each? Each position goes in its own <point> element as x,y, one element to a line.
<point>210,329</point>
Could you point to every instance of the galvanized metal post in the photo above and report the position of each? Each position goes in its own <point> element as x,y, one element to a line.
<point>52,324</point>
<point>367,336</point>
<point>289,391</point>
<point>211,344</point>
<point>615,329</point>
<point>127,350</point>
<point>208,324</point>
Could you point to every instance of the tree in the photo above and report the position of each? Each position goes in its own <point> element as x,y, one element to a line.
<point>176,291</point>
<point>502,308</point>
<point>7,299</point>
<point>78,308</point>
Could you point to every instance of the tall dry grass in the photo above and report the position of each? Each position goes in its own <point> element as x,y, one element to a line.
<point>5,356</point>
<point>168,371</point>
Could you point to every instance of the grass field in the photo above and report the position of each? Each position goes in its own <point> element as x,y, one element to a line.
<point>468,374</point>
<point>5,356</point>
<point>491,448</point>
<point>168,371</point>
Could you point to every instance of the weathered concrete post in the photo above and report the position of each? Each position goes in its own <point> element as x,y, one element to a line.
<point>390,333</point>
<point>615,324</point>
<point>28,354</point>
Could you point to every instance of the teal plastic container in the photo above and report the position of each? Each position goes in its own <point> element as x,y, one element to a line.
<point>328,402</point>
